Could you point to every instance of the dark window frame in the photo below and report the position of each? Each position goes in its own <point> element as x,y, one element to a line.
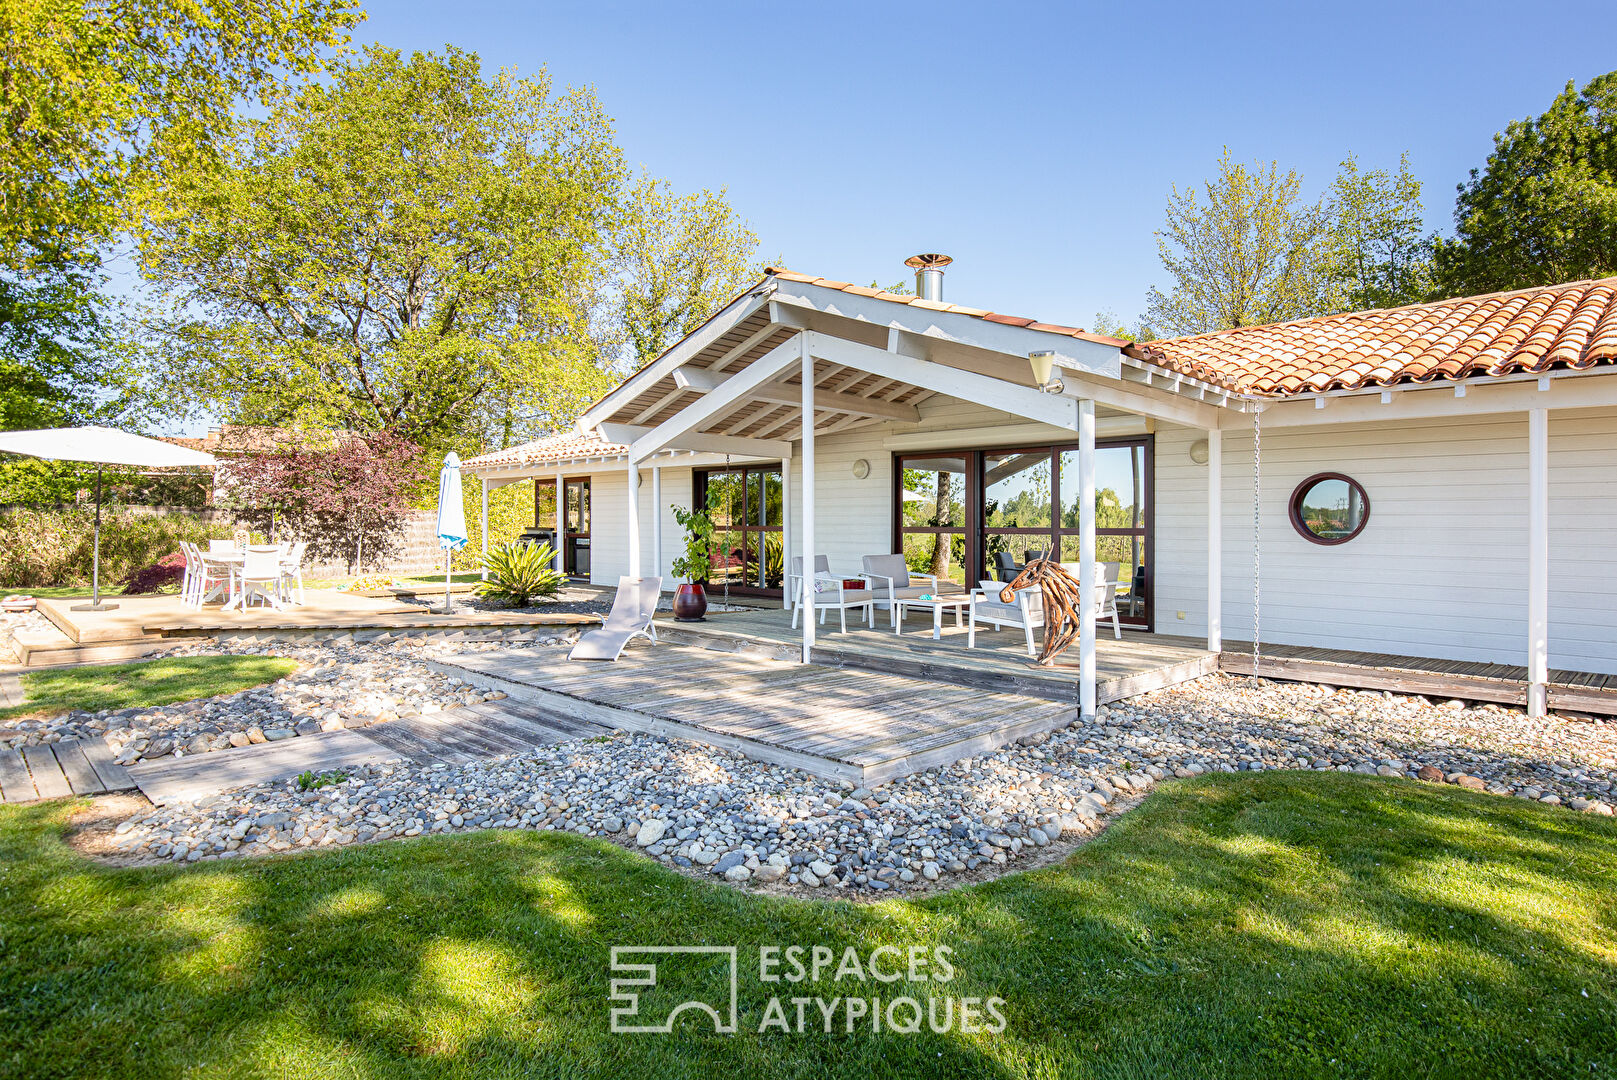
<point>1295,509</point>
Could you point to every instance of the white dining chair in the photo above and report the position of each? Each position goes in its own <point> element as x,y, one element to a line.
<point>221,546</point>
<point>292,571</point>
<point>260,576</point>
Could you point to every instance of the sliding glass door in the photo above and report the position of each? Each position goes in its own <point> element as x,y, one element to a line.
<point>746,528</point>
<point>984,514</point>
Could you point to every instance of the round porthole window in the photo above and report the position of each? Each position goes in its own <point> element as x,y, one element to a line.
<point>1329,508</point>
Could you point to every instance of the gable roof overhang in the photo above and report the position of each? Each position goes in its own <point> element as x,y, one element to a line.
<point>735,385</point>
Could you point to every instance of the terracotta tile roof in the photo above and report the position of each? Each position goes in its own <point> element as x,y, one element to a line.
<point>551,450</point>
<point>252,439</point>
<point>935,305</point>
<point>1531,330</point>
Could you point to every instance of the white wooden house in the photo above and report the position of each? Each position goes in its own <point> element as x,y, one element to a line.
<point>1458,458</point>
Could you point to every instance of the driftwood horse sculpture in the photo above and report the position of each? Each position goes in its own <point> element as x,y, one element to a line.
<point>1062,599</point>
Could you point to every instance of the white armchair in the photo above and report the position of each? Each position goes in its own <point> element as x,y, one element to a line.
<point>831,593</point>
<point>794,580</point>
<point>1026,612</point>
<point>889,578</point>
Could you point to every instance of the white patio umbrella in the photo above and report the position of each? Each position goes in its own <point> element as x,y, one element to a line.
<point>451,515</point>
<point>103,446</point>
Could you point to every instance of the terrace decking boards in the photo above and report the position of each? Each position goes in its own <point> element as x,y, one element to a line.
<point>845,723</point>
<point>56,770</point>
<point>455,736</point>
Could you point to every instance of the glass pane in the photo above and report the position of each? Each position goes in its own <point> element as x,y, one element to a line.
<point>763,559</point>
<point>755,499</point>
<point>724,496</point>
<point>1129,554</point>
<point>1119,488</point>
<point>942,554</point>
<point>934,491</point>
<point>1016,490</point>
<point>578,507</point>
<point>772,507</point>
<point>1332,509</point>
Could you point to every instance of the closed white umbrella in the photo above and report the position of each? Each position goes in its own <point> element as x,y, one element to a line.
<point>103,446</point>
<point>451,515</point>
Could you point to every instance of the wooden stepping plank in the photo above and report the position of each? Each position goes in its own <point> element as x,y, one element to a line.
<point>404,733</point>
<point>533,733</point>
<point>453,735</point>
<point>114,777</point>
<point>196,776</point>
<point>47,774</point>
<point>394,737</point>
<point>76,767</point>
<point>556,720</point>
<point>15,784</point>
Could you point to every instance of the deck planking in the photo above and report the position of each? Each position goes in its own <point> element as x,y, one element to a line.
<point>842,722</point>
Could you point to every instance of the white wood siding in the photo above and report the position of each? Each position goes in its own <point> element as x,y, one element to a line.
<point>1439,571</point>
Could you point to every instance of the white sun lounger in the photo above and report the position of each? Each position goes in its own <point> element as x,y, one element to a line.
<point>632,610</point>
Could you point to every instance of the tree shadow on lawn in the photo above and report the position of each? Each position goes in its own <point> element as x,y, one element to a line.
<point>1279,924</point>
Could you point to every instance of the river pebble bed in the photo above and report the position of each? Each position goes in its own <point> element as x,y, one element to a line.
<point>335,686</point>
<point>713,812</point>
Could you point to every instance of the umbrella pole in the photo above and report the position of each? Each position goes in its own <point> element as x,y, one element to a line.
<point>95,603</point>
<point>448,555</point>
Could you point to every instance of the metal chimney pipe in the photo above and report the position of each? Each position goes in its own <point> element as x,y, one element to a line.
<point>929,275</point>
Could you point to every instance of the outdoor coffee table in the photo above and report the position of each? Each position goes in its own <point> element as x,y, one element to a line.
<point>961,602</point>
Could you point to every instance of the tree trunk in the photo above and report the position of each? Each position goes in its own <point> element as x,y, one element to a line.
<point>941,542</point>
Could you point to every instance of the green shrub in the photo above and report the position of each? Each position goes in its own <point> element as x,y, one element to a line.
<point>40,548</point>
<point>519,572</point>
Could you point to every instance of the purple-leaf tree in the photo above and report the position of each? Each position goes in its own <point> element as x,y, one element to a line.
<point>348,501</point>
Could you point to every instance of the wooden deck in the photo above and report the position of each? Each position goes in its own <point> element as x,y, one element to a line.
<point>1572,691</point>
<point>454,736</point>
<point>56,770</point>
<point>844,723</point>
<point>1137,663</point>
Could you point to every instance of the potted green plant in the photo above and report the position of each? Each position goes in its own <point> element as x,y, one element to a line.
<point>690,599</point>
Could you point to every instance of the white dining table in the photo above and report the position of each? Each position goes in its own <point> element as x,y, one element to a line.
<point>232,561</point>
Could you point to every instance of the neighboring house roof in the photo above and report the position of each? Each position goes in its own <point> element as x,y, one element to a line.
<point>250,439</point>
<point>551,450</point>
<point>938,305</point>
<point>1530,330</point>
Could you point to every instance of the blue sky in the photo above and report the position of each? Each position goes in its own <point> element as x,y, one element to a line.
<point>1035,143</point>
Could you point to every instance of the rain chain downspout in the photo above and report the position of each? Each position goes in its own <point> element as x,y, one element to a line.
<point>1257,532</point>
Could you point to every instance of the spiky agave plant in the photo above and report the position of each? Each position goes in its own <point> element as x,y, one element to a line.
<point>519,572</point>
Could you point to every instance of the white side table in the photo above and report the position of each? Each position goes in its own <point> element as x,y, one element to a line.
<point>961,603</point>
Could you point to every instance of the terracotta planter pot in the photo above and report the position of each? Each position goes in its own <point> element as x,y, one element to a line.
<point>690,602</point>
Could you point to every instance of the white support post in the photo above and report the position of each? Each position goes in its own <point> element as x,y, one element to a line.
<point>1088,593</point>
<point>656,522</point>
<point>633,527</point>
<point>1538,561</point>
<point>808,495</point>
<point>485,528</point>
<point>561,523</point>
<point>1215,540</point>
<point>785,532</point>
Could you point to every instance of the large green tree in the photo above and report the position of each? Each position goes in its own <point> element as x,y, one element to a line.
<point>1256,251</point>
<point>101,101</point>
<point>1377,253</point>
<point>682,257</point>
<point>1544,207</point>
<point>1249,254</point>
<point>412,248</point>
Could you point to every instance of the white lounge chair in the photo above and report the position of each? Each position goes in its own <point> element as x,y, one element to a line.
<point>633,608</point>
<point>889,577</point>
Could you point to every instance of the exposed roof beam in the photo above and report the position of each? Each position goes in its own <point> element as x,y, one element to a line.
<point>828,400</point>
<point>734,393</point>
<point>994,393</point>
<point>722,322</point>
<point>701,443</point>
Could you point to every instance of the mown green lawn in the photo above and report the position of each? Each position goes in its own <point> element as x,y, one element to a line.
<point>1276,926</point>
<point>146,683</point>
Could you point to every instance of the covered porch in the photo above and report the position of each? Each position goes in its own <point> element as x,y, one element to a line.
<point>800,360</point>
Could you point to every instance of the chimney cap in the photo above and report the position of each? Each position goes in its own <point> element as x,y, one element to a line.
<point>929,261</point>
